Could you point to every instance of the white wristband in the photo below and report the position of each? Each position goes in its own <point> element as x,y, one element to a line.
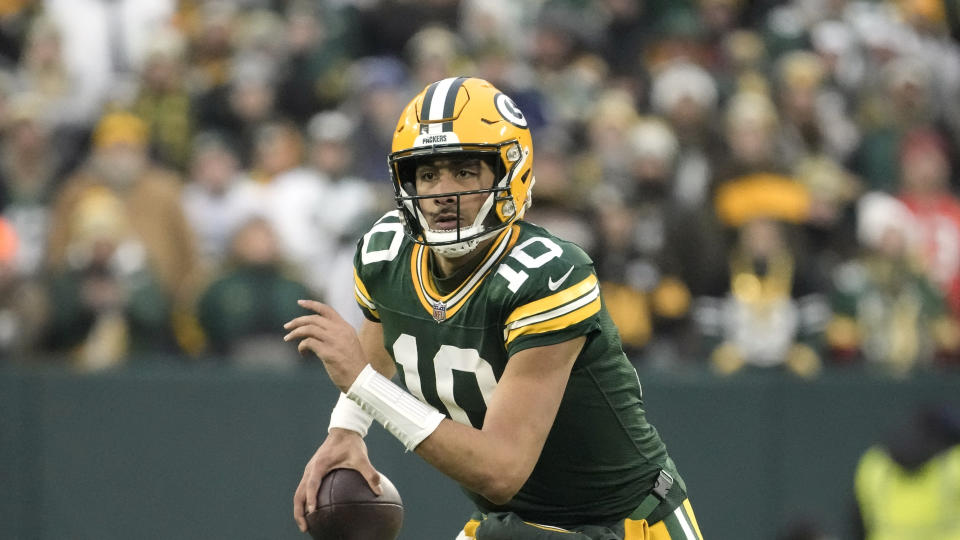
<point>404,416</point>
<point>346,414</point>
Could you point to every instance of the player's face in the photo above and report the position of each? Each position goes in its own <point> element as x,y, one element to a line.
<point>445,177</point>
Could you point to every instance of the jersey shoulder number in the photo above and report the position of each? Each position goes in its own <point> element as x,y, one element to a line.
<point>379,246</point>
<point>553,290</point>
<point>382,242</point>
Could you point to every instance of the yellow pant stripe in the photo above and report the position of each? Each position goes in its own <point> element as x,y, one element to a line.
<point>470,529</point>
<point>693,518</point>
<point>635,530</point>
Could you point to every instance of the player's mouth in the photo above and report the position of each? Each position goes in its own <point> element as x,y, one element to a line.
<point>446,221</point>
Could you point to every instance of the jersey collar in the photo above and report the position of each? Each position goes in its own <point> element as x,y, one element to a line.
<point>442,307</point>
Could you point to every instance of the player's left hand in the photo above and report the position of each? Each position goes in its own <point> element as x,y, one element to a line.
<point>332,339</point>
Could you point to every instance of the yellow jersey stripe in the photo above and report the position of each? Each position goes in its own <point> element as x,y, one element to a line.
<point>557,323</point>
<point>554,300</point>
<point>361,288</point>
<point>418,254</point>
<point>363,304</point>
<point>362,296</point>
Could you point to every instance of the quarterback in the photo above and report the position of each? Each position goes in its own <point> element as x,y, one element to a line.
<point>512,380</point>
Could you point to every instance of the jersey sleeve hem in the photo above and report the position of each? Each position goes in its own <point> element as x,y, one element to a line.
<point>367,306</point>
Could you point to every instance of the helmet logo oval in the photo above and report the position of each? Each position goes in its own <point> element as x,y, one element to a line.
<point>509,110</point>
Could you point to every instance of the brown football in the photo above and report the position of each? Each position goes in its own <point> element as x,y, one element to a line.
<point>347,509</point>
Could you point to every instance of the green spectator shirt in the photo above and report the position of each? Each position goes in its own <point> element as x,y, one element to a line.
<point>531,289</point>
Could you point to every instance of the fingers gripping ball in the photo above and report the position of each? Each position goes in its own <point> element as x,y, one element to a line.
<point>347,509</point>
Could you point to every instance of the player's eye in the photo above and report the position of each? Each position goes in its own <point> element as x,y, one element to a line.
<point>468,171</point>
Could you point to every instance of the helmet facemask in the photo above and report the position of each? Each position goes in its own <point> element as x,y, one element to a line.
<point>461,240</point>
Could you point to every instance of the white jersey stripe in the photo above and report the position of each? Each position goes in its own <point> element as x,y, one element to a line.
<point>370,305</point>
<point>687,529</point>
<point>562,310</point>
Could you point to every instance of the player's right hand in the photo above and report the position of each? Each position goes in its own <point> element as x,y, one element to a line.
<point>342,449</point>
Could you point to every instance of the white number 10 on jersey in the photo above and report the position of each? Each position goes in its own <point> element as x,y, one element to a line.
<point>447,360</point>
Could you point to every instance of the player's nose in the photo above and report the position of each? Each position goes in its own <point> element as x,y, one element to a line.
<point>445,184</point>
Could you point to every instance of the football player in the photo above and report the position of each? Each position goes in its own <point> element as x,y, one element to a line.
<point>512,380</point>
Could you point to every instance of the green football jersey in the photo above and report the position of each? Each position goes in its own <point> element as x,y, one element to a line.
<point>531,289</point>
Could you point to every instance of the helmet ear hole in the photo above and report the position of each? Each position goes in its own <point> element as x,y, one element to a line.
<point>496,165</point>
<point>406,170</point>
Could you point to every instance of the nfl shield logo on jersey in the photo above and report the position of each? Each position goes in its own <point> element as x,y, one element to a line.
<point>439,312</point>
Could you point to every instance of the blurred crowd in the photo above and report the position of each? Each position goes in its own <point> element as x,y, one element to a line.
<point>763,184</point>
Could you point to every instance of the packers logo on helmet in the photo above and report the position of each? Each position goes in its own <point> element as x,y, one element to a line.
<point>463,116</point>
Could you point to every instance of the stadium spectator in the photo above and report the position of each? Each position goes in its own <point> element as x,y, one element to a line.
<point>42,72</point>
<point>377,87</point>
<point>434,53</point>
<point>650,246</point>
<point>814,119</point>
<point>163,100</point>
<point>608,158</point>
<point>351,203</point>
<point>104,45</point>
<point>23,304</point>
<point>627,31</point>
<point>686,96</point>
<point>242,311</point>
<point>495,23</point>
<point>248,98</point>
<point>214,200</point>
<point>15,21</point>
<point>31,169</point>
<point>290,197</point>
<point>110,307</point>
<point>151,196</point>
<point>208,28</point>
<point>770,311</point>
<point>899,103</point>
<point>830,228</point>
<point>387,27</point>
<point>886,311</point>
<point>925,189</point>
<point>741,64</point>
<point>562,203</point>
<point>322,40</point>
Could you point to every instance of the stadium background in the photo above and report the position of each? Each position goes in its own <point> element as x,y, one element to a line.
<point>769,189</point>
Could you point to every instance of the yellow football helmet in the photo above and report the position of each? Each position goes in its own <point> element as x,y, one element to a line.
<point>455,116</point>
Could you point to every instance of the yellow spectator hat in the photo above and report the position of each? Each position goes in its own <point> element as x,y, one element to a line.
<point>120,128</point>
